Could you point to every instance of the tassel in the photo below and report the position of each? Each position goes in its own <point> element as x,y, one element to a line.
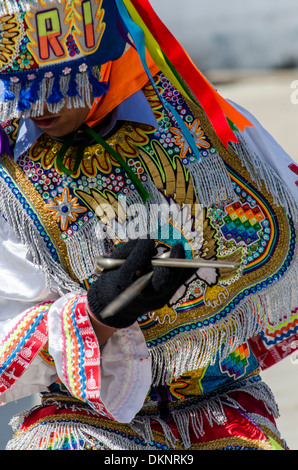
<point>98,88</point>
<point>24,103</point>
<point>56,95</point>
<point>33,91</point>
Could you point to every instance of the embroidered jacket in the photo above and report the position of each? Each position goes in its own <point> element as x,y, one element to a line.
<point>218,330</point>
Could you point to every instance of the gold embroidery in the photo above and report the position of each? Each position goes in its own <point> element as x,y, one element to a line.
<point>96,158</point>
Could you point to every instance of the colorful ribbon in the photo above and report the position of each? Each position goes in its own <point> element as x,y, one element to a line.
<point>138,37</point>
<point>185,76</point>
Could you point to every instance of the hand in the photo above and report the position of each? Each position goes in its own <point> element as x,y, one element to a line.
<point>138,255</point>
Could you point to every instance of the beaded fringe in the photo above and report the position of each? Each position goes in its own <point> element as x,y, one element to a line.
<point>198,348</point>
<point>263,174</point>
<point>212,410</point>
<point>67,434</point>
<point>211,180</point>
<point>41,92</point>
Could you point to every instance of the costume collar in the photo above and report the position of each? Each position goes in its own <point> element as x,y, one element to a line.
<point>135,108</point>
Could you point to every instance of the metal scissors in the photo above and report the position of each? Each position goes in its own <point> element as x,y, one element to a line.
<point>129,294</point>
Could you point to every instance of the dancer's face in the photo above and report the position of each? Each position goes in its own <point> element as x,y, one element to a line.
<point>63,123</point>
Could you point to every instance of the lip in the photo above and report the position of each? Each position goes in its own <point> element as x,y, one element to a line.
<point>45,122</point>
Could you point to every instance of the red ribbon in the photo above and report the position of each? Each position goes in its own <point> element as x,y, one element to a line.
<point>212,103</point>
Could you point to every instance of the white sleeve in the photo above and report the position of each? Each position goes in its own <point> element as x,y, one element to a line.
<point>115,378</point>
<point>270,152</point>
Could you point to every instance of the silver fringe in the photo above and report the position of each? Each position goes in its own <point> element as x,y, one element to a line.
<point>211,180</point>
<point>9,108</point>
<point>83,247</point>
<point>190,418</point>
<point>196,349</point>
<point>193,350</point>
<point>190,351</point>
<point>89,241</point>
<point>263,174</point>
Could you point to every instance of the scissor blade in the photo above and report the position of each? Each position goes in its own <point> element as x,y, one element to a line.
<point>103,262</point>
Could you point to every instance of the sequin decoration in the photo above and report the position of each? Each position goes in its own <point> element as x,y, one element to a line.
<point>213,305</point>
<point>197,133</point>
<point>236,363</point>
<point>65,208</point>
<point>242,223</point>
<point>9,35</point>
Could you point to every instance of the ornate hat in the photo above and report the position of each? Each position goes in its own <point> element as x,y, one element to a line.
<point>51,50</point>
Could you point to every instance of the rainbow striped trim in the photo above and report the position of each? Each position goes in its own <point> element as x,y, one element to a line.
<point>81,355</point>
<point>22,344</point>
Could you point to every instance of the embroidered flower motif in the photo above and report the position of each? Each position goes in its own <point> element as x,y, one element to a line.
<point>14,79</point>
<point>48,75</point>
<point>166,141</point>
<point>31,76</point>
<point>25,61</point>
<point>65,208</point>
<point>196,132</point>
<point>66,71</point>
<point>83,68</point>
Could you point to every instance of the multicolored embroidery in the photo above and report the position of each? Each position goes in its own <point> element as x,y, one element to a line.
<point>45,355</point>
<point>219,310</point>
<point>81,356</point>
<point>293,167</point>
<point>236,363</point>
<point>197,133</point>
<point>65,209</point>
<point>22,345</point>
<point>69,424</point>
<point>277,342</point>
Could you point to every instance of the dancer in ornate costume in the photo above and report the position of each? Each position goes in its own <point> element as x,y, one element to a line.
<point>103,112</point>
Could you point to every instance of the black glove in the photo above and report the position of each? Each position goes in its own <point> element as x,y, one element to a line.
<point>138,255</point>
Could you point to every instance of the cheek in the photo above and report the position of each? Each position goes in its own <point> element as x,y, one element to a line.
<point>72,121</point>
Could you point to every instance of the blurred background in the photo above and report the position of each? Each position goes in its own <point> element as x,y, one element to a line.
<point>249,50</point>
<point>234,34</point>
